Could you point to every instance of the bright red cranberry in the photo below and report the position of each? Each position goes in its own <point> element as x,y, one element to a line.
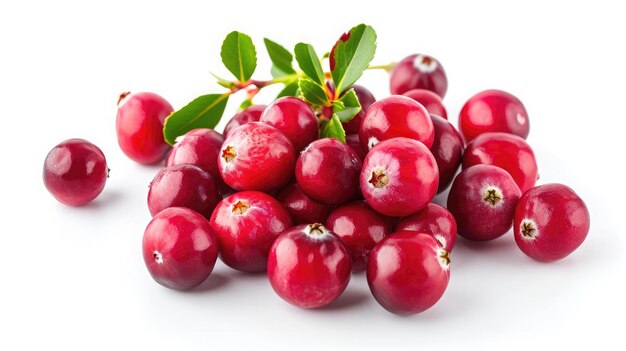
<point>256,156</point>
<point>482,200</point>
<point>408,272</point>
<point>434,220</point>
<point>75,172</point>
<point>302,208</point>
<point>309,266</point>
<point>447,150</point>
<point>355,143</point>
<point>493,111</point>
<point>396,116</point>
<point>294,118</point>
<point>360,228</point>
<point>139,125</point>
<point>431,101</point>
<point>246,224</point>
<point>183,186</point>
<point>328,171</point>
<point>179,248</point>
<point>366,99</point>
<point>419,72</point>
<point>551,222</point>
<point>250,114</point>
<point>399,177</point>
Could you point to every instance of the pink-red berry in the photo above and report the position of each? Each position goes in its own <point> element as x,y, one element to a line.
<point>434,220</point>
<point>431,101</point>
<point>250,114</point>
<point>294,118</point>
<point>419,72</point>
<point>303,209</point>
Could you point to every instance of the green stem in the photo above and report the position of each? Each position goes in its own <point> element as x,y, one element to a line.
<point>388,67</point>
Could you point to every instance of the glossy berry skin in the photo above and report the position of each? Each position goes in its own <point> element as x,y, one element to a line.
<point>355,143</point>
<point>431,101</point>
<point>506,151</point>
<point>399,177</point>
<point>309,266</point>
<point>303,209</point>
<point>408,272</point>
<point>359,228</point>
<point>256,156</point>
<point>294,118</point>
<point>447,150</point>
<point>179,248</point>
<point>250,114</point>
<point>183,186</point>
<point>482,200</point>
<point>246,224</point>
<point>434,220</point>
<point>366,99</point>
<point>139,126</point>
<point>419,72</point>
<point>328,171</point>
<point>75,172</point>
<point>493,111</point>
<point>551,222</point>
<point>396,116</point>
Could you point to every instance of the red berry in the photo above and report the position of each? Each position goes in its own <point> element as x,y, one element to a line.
<point>431,101</point>
<point>256,156</point>
<point>294,118</point>
<point>328,171</point>
<point>139,126</point>
<point>551,222</point>
<point>250,114</point>
<point>246,224</point>
<point>179,248</point>
<point>482,200</point>
<point>493,111</point>
<point>355,143</point>
<point>399,177</point>
<point>408,272</point>
<point>302,208</point>
<point>309,266</point>
<point>419,72</point>
<point>434,220</point>
<point>447,150</point>
<point>366,99</point>
<point>396,116</point>
<point>75,172</point>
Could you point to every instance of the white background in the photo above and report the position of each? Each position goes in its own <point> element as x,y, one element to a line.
<point>73,278</point>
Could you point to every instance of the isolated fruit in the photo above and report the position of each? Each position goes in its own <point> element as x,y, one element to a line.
<point>447,150</point>
<point>431,101</point>
<point>366,99</point>
<point>250,114</point>
<point>294,118</point>
<point>434,220</point>
<point>419,72</point>
<point>303,209</point>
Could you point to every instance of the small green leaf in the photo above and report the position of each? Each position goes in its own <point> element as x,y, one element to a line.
<point>347,106</point>
<point>281,59</point>
<point>290,89</point>
<point>223,82</point>
<point>203,112</point>
<point>313,93</point>
<point>245,104</point>
<point>332,128</point>
<point>309,62</point>
<point>353,56</point>
<point>239,55</point>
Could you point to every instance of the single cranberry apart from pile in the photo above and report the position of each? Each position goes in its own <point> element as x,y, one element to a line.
<point>303,209</point>
<point>294,118</point>
<point>179,248</point>
<point>447,150</point>
<point>309,266</point>
<point>366,99</point>
<point>249,114</point>
<point>493,111</point>
<point>75,172</point>
<point>434,220</point>
<point>246,224</point>
<point>482,200</point>
<point>408,272</point>
<point>419,72</point>
<point>431,101</point>
<point>551,222</point>
<point>139,126</point>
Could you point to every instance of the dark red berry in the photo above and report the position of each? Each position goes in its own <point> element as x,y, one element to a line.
<point>434,220</point>
<point>294,118</point>
<point>419,72</point>
<point>250,114</point>
<point>431,101</point>
<point>355,143</point>
<point>447,150</point>
<point>302,208</point>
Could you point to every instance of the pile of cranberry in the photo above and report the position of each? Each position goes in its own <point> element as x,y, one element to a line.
<point>269,195</point>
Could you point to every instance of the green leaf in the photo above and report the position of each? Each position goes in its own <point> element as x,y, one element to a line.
<point>245,104</point>
<point>223,82</point>
<point>332,128</point>
<point>290,89</point>
<point>313,93</point>
<point>347,106</point>
<point>239,55</point>
<point>309,62</point>
<point>203,112</point>
<point>281,59</point>
<point>353,56</point>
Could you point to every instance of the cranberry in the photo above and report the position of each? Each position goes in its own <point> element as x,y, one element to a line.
<point>250,114</point>
<point>75,172</point>
<point>246,224</point>
<point>256,156</point>
<point>328,171</point>
<point>447,150</point>
<point>482,200</point>
<point>419,72</point>
<point>139,125</point>
<point>366,99</point>
<point>396,116</point>
<point>434,220</point>
<point>294,118</point>
<point>360,228</point>
<point>408,272</point>
<point>493,111</point>
<point>399,177</point>
<point>302,208</point>
<point>506,151</point>
<point>431,101</point>
<point>309,266</point>
<point>183,186</point>
<point>551,222</point>
<point>355,143</point>
<point>179,248</point>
